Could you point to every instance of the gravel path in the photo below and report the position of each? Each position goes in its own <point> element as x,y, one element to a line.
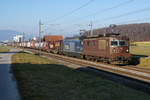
<point>8,87</point>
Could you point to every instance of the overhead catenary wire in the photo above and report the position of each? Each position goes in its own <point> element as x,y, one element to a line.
<point>127,14</point>
<point>95,13</point>
<point>135,20</point>
<point>127,22</point>
<point>67,14</point>
<point>104,10</point>
<point>123,15</point>
<point>73,11</point>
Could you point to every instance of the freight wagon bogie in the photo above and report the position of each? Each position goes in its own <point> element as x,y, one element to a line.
<point>116,60</point>
<point>72,54</point>
<point>96,59</point>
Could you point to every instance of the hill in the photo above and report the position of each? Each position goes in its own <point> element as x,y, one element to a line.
<point>136,32</point>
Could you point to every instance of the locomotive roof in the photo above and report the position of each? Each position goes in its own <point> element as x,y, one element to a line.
<point>71,38</point>
<point>104,38</point>
<point>93,38</point>
<point>108,36</point>
<point>105,35</point>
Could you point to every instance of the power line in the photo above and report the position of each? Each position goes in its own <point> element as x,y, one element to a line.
<point>69,13</point>
<point>95,13</point>
<point>106,9</point>
<point>73,11</point>
<point>119,23</point>
<point>123,15</point>
<point>142,19</point>
<point>52,25</point>
<point>134,20</point>
<point>127,14</point>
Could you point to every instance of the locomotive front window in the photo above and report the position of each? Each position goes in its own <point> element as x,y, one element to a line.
<point>122,43</point>
<point>114,43</point>
<point>93,43</point>
<point>88,43</point>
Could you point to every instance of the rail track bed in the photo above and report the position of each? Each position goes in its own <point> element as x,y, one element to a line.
<point>140,76</point>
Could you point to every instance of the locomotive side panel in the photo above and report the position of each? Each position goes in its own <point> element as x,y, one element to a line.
<point>108,49</point>
<point>96,47</point>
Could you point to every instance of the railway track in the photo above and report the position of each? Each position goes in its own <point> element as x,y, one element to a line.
<point>126,71</point>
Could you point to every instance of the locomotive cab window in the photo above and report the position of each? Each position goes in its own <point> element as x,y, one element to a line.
<point>94,43</point>
<point>114,43</point>
<point>88,43</point>
<point>122,43</point>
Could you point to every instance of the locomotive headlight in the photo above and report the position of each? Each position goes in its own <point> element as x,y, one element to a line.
<point>127,50</point>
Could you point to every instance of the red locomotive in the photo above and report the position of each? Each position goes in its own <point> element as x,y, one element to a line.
<point>108,48</point>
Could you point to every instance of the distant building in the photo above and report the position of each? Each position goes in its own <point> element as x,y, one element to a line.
<point>18,38</point>
<point>5,41</point>
<point>34,38</point>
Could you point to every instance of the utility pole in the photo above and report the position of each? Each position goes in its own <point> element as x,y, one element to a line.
<point>23,41</point>
<point>40,32</point>
<point>91,25</point>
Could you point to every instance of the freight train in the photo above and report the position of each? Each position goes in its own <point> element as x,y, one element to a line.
<point>109,48</point>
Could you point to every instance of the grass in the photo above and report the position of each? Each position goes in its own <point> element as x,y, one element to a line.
<point>4,49</point>
<point>140,50</point>
<point>41,79</point>
<point>143,43</point>
<point>144,62</point>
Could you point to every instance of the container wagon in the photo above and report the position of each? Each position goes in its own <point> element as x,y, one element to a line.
<point>72,48</point>
<point>54,43</point>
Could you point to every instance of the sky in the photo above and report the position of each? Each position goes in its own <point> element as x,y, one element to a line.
<point>56,16</point>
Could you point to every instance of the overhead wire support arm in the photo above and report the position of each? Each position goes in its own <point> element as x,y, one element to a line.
<point>23,40</point>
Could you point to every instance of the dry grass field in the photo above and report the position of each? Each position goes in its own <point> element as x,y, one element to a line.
<point>143,43</point>
<point>142,48</point>
<point>4,49</point>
